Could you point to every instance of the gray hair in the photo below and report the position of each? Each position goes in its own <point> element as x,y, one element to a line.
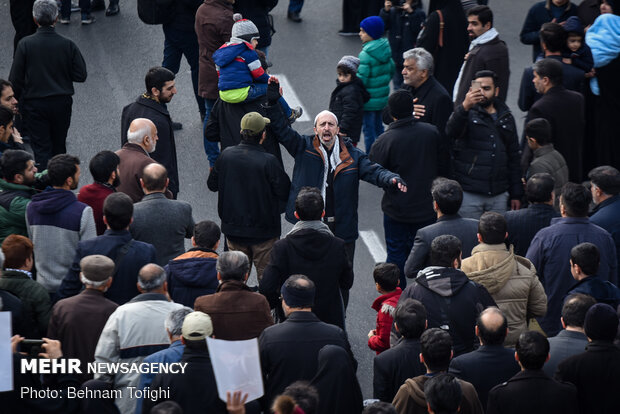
<point>151,277</point>
<point>91,283</point>
<point>325,112</point>
<point>45,12</point>
<point>136,137</point>
<point>233,265</point>
<point>174,320</point>
<point>423,59</point>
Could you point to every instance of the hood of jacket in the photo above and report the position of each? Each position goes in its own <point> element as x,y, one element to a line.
<point>387,303</point>
<point>491,265</point>
<point>444,281</point>
<point>194,270</point>
<point>310,244</point>
<point>52,200</point>
<point>356,83</point>
<point>229,52</point>
<point>415,389</point>
<point>379,49</point>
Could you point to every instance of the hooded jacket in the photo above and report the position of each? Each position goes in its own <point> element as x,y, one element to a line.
<point>410,397</point>
<point>376,70</point>
<point>191,275</point>
<point>385,306</point>
<point>238,65</point>
<point>13,201</point>
<point>347,103</point>
<point>511,281</point>
<point>452,301</point>
<point>56,223</point>
<point>322,258</point>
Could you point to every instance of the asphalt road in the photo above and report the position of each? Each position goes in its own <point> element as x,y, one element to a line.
<point>119,50</point>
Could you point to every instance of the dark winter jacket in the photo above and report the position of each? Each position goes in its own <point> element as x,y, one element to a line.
<point>486,152</point>
<point>14,199</point>
<point>310,166</point>
<point>347,103</point>
<point>166,151</point>
<point>394,366</point>
<point>109,244</point>
<point>607,215</point>
<point>385,306</point>
<point>523,225</point>
<point>452,301</point>
<point>183,15</point>
<point>257,11</point>
<point>319,256</point>
<point>238,66</point>
<point>252,188</point>
<point>191,275</point>
<point>403,29</point>
<point>214,21</point>
<point>448,59</point>
<point>601,290</point>
<point>539,14</point>
<point>548,160</point>
<point>414,151</point>
<point>492,55</point>
<point>36,305</point>
<point>550,254</point>
<point>182,388</point>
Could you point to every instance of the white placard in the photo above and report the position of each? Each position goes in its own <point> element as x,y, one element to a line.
<point>236,365</point>
<point>6,356</point>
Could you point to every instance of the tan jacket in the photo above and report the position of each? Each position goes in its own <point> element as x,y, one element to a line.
<point>512,282</point>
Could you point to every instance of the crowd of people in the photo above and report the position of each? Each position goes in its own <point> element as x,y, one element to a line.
<point>499,292</point>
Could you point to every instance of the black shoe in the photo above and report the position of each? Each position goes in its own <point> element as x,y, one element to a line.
<point>112,10</point>
<point>97,5</point>
<point>176,126</point>
<point>294,16</point>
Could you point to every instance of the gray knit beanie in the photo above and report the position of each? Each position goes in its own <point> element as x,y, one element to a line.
<point>244,29</point>
<point>349,62</point>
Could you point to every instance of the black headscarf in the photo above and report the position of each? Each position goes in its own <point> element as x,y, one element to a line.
<point>335,380</point>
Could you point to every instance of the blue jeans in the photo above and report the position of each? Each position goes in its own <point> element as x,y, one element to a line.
<point>399,239</point>
<point>475,204</point>
<point>176,44</point>
<point>212,149</point>
<point>372,127</point>
<point>260,89</point>
<point>294,6</point>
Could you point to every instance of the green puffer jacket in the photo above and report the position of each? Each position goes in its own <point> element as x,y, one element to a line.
<point>13,201</point>
<point>376,70</point>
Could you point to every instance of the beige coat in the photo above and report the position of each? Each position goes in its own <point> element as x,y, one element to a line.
<point>512,282</point>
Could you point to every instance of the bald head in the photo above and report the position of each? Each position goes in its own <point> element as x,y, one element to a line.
<point>152,278</point>
<point>143,132</point>
<point>492,326</point>
<point>154,178</point>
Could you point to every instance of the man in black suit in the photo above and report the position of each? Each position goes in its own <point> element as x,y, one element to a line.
<point>564,109</point>
<point>595,371</point>
<point>524,224</point>
<point>491,364</point>
<point>571,340</point>
<point>447,199</point>
<point>289,351</point>
<point>531,390</point>
<point>553,41</point>
<point>401,362</point>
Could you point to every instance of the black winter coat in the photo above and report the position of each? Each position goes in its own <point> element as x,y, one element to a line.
<point>486,152</point>
<point>257,11</point>
<point>403,29</point>
<point>347,103</point>
<point>448,59</point>
<point>166,151</point>
<point>452,302</point>
<point>322,259</point>
<point>184,14</point>
<point>194,390</point>
<point>565,112</point>
<point>252,191</point>
<point>394,366</point>
<point>414,151</point>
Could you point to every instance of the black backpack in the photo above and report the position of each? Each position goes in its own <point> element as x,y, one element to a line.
<point>156,11</point>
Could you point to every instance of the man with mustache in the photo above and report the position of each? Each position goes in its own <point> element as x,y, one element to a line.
<point>486,150</point>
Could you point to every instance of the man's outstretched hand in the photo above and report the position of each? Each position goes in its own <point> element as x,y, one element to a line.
<point>273,91</point>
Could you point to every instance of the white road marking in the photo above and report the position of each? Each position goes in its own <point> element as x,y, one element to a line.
<point>291,97</point>
<point>374,245</point>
